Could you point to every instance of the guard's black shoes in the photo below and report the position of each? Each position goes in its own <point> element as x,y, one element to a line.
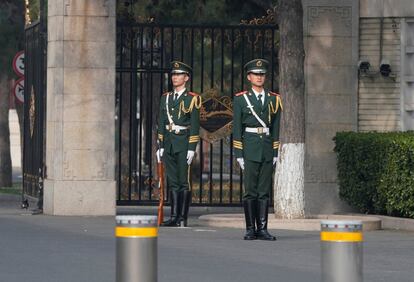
<point>264,235</point>
<point>186,206</point>
<point>250,235</point>
<point>176,206</point>
<point>261,221</point>
<point>249,214</point>
<point>172,222</point>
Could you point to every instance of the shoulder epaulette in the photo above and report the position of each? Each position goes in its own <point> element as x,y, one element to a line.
<point>240,93</point>
<point>274,93</point>
<point>166,93</point>
<point>193,93</point>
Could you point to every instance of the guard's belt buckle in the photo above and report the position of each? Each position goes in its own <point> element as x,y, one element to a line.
<point>260,130</point>
<point>177,131</point>
<point>170,127</point>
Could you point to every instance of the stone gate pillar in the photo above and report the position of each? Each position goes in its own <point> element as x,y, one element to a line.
<point>331,47</point>
<point>80,149</point>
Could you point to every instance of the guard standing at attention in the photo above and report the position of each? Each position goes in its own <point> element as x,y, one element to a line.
<point>256,119</point>
<point>178,135</point>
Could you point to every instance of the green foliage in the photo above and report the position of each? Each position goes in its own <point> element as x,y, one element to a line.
<point>376,171</point>
<point>34,8</point>
<point>188,12</point>
<point>16,189</point>
<point>12,32</point>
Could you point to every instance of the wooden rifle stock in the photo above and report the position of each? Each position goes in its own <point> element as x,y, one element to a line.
<point>160,170</point>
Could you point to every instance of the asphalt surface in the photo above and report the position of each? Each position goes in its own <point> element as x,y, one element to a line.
<point>39,248</point>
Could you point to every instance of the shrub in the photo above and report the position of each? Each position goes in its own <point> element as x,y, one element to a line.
<point>376,171</point>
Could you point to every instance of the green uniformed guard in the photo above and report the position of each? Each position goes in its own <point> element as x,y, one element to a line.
<point>256,142</point>
<point>178,135</point>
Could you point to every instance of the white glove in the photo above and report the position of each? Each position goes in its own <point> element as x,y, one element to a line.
<point>241,162</point>
<point>159,154</point>
<point>190,156</point>
<point>274,160</point>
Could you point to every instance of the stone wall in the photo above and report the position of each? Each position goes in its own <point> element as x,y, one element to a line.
<point>331,47</point>
<point>80,147</point>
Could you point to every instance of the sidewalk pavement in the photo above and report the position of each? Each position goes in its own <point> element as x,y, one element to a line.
<point>59,249</point>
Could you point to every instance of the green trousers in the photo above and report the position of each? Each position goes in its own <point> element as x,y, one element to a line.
<point>177,170</point>
<point>257,180</point>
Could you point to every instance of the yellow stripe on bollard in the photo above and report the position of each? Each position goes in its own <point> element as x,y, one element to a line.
<point>341,236</point>
<point>136,232</point>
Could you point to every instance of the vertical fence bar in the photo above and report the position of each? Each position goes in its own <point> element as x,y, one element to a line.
<point>182,44</point>
<point>242,31</point>
<point>211,145</point>
<point>222,91</point>
<point>150,133</point>
<point>130,134</point>
<point>161,48</point>
<point>172,44</point>
<point>141,87</point>
<point>192,89</point>
<point>232,96</point>
<point>43,93</point>
<point>134,100</point>
<point>201,140</point>
<point>273,59</point>
<point>192,58</point>
<point>262,33</point>
<point>24,125</point>
<point>120,118</point>
<point>253,53</point>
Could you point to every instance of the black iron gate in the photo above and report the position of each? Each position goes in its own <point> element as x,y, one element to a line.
<point>34,111</point>
<point>217,55</point>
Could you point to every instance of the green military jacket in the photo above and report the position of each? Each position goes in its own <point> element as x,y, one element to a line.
<point>253,146</point>
<point>184,112</point>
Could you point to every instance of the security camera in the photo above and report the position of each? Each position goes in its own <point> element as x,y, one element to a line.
<point>385,68</point>
<point>363,66</point>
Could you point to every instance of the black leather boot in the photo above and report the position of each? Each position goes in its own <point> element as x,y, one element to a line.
<point>176,205</point>
<point>186,206</point>
<point>249,214</point>
<point>261,221</point>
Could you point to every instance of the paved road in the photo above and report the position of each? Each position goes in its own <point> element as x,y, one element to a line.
<point>59,249</point>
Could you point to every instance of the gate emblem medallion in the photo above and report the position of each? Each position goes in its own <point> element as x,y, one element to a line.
<point>216,116</point>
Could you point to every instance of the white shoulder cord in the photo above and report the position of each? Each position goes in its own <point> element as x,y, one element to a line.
<point>168,111</point>
<point>250,106</point>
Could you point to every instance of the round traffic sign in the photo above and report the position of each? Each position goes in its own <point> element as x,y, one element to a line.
<point>18,89</point>
<point>18,63</point>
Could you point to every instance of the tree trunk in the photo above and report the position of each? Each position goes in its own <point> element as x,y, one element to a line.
<point>20,115</point>
<point>289,176</point>
<point>5,157</point>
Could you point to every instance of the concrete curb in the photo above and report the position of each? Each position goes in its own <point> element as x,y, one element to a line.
<point>309,224</point>
<point>397,223</point>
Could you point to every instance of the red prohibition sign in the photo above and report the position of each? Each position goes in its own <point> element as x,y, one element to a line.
<point>18,63</point>
<point>18,89</point>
